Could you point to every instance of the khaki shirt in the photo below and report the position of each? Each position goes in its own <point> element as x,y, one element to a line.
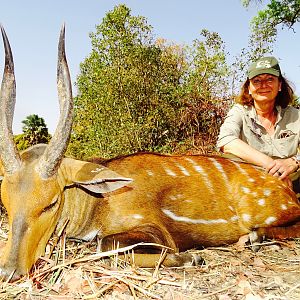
<point>242,122</point>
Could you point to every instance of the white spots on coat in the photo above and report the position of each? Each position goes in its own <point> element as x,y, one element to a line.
<point>175,197</point>
<point>170,172</point>
<point>220,168</point>
<point>183,219</point>
<point>283,207</point>
<point>246,217</point>
<point>251,179</point>
<point>270,220</point>
<point>267,192</point>
<point>201,171</point>
<point>261,202</point>
<point>183,170</point>
<point>188,201</point>
<point>137,217</point>
<point>246,190</point>
<point>238,166</point>
<point>234,218</point>
<point>149,172</point>
<point>231,208</point>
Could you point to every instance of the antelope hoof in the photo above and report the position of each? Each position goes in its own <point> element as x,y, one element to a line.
<point>186,259</point>
<point>255,241</point>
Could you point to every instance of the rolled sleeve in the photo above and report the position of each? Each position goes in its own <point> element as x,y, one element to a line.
<point>231,128</point>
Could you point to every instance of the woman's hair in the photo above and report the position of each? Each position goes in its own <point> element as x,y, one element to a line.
<point>284,98</point>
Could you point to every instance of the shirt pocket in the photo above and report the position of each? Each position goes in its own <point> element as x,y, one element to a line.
<point>287,144</point>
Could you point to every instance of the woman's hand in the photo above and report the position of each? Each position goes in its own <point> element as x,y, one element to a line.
<point>282,167</point>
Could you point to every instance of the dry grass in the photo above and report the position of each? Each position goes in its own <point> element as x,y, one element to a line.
<point>74,270</point>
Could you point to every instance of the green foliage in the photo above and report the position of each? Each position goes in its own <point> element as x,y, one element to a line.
<point>127,90</point>
<point>246,3</point>
<point>35,131</point>
<point>137,94</point>
<point>21,142</point>
<point>283,12</point>
<point>206,89</point>
<point>208,68</point>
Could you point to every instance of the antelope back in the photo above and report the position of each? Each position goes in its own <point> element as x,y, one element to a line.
<point>202,200</point>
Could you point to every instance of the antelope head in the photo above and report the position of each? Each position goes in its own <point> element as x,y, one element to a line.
<point>33,181</point>
<point>32,217</point>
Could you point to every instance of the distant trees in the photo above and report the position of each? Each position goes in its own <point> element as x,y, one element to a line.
<point>275,13</point>
<point>35,131</point>
<point>126,90</point>
<point>137,94</point>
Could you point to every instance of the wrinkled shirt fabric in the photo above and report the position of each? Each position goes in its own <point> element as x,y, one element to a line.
<point>242,123</point>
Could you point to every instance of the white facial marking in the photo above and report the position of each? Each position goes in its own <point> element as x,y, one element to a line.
<point>176,218</point>
<point>90,236</point>
<point>270,220</point>
<point>246,217</point>
<point>201,171</point>
<point>97,170</point>
<point>261,202</point>
<point>283,207</point>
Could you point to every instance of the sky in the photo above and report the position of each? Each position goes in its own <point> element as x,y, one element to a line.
<point>33,28</point>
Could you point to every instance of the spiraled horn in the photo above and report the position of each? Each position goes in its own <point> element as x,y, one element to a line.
<point>8,151</point>
<point>54,153</point>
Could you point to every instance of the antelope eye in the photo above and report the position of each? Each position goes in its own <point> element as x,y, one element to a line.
<point>51,205</point>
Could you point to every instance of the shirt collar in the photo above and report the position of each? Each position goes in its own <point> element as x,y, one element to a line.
<point>253,115</point>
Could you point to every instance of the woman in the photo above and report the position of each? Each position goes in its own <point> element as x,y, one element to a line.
<point>263,128</point>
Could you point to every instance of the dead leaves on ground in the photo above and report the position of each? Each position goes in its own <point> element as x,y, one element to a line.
<point>74,271</point>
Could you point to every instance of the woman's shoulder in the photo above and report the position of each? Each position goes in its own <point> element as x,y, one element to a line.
<point>240,109</point>
<point>291,114</point>
<point>291,110</point>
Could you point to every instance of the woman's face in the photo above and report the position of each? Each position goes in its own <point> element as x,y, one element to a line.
<point>264,87</point>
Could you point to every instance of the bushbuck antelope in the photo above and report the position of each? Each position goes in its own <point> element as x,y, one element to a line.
<point>178,201</point>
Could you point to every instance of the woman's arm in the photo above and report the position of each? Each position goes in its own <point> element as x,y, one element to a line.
<point>244,151</point>
<point>280,167</point>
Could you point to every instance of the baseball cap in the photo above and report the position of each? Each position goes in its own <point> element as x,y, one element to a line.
<point>264,65</point>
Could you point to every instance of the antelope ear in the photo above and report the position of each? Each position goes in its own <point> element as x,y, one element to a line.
<point>93,177</point>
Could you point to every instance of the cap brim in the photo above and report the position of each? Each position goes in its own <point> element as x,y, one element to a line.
<point>263,71</point>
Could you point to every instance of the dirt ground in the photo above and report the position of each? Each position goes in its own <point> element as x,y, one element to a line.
<point>73,270</point>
